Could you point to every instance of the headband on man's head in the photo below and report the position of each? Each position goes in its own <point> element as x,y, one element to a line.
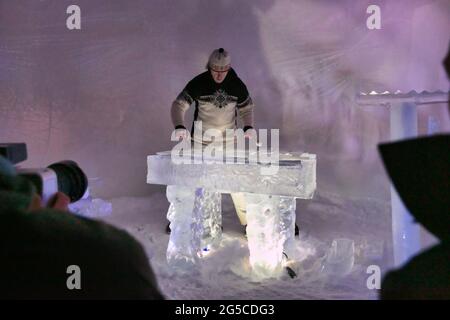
<point>219,60</point>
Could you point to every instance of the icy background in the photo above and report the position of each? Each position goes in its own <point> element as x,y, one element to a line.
<point>101,96</point>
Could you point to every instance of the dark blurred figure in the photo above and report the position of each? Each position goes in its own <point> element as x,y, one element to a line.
<point>37,245</point>
<point>447,68</point>
<point>420,171</point>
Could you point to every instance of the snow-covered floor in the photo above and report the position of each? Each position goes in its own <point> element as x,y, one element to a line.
<point>225,273</point>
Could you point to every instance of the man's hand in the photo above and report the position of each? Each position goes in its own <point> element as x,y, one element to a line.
<point>249,132</point>
<point>180,132</point>
<point>59,201</point>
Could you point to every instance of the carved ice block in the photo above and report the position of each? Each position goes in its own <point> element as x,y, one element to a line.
<point>194,192</point>
<point>403,124</point>
<point>295,177</point>
<point>195,221</point>
<point>270,232</point>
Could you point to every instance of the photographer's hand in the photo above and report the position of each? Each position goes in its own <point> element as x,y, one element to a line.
<point>59,201</point>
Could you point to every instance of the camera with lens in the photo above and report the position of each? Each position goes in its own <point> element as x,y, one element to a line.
<point>64,176</point>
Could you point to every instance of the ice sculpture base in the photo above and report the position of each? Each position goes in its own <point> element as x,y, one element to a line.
<point>194,192</point>
<point>196,219</point>
<point>270,232</point>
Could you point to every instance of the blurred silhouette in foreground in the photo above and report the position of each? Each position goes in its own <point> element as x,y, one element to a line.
<point>49,253</point>
<point>420,171</point>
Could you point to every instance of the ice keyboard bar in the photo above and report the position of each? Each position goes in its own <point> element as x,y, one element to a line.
<point>295,177</point>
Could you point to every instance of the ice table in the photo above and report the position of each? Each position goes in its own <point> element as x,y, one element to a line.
<point>194,192</point>
<point>403,124</point>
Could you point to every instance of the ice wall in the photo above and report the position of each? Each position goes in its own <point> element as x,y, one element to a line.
<point>101,95</point>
